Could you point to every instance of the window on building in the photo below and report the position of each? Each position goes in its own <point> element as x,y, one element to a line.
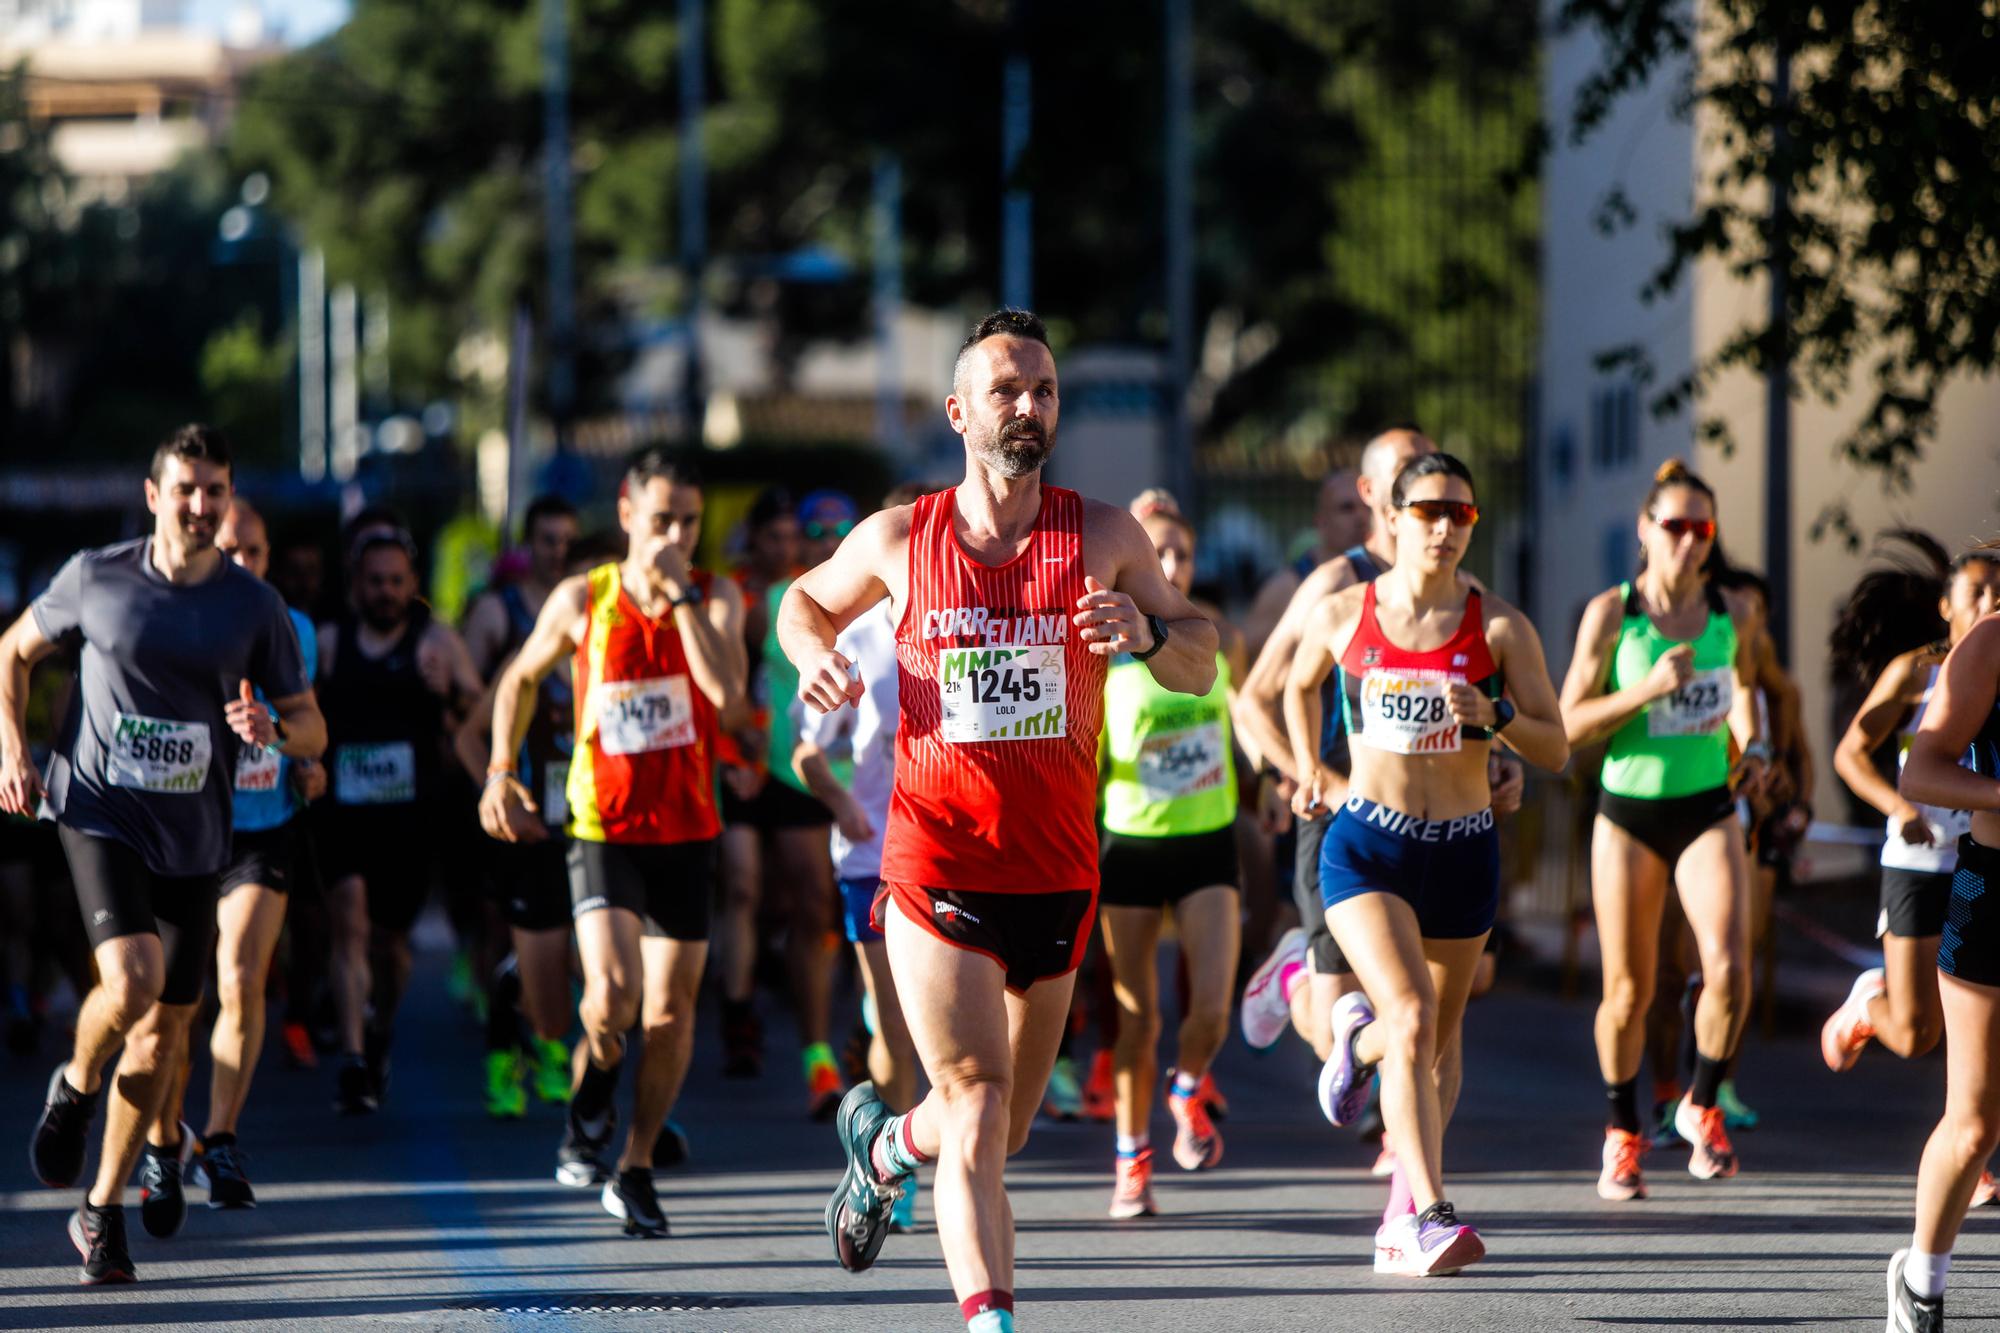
<point>1614,426</point>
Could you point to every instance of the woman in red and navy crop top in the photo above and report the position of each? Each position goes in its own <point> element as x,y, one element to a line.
<point>1410,867</point>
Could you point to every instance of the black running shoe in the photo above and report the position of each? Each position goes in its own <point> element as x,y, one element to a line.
<point>742,1040</point>
<point>580,1158</point>
<point>670,1148</point>
<point>57,1148</point>
<point>630,1197</point>
<point>163,1204</point>
<point>1909,1312</point>
<point>375,1042</point>
<point>219,1167</point>
<point>355,1094</point>
<point>857,1216</point>
<point>99,1236</point>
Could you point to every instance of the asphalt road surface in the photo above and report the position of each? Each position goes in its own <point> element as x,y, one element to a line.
<point>429,1215</point>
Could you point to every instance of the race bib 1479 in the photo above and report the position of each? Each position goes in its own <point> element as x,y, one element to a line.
<point>635,716</point>
<point>1003,694</point>
<point>158,754</point>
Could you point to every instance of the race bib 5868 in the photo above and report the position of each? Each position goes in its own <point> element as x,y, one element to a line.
<point>1003,694</point>
<point>158,754</point>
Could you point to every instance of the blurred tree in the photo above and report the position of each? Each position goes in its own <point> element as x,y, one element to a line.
<point>1885,141</point>
<point>407,144</point>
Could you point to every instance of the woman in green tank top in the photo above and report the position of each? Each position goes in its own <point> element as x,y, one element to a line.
<point>1169,782</point>
<point>1664,674</point>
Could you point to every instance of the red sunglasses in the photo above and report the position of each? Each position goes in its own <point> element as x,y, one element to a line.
<point>1462,513</point>
<point>1702,528</point>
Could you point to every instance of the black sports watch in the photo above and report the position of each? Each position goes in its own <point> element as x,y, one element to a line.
<point>1503,713</point>
<point>1159,628</point>
<point>692,597</point>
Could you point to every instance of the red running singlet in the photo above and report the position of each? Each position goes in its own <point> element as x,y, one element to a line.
<point>996,754</point>
<point>1395,697</point>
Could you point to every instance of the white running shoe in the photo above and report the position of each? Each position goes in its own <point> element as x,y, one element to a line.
<point>1264,1013</point>
<point>1432,1243</point>
<point>1343,1080</point>
<point>1848,1030</point>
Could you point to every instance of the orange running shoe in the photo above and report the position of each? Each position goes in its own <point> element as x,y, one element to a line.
<point>1623,1177</point>
<point>1385,1160</point>
<point>1985,1191</point>
<point>1703,1128</point>
<point>1132,1195</point>
<point>299,1052</point>
<point>1847,1032</point>
<point>823,1090</point>
<point>1100,1096</point>
<point>1218,1105</point>
<point>1197,1142</point>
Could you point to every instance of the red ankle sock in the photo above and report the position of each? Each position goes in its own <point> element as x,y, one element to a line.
<point>981,1302</point>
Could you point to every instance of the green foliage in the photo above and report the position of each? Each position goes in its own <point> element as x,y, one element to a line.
<point>246,378</point>
<point>1884,141</point>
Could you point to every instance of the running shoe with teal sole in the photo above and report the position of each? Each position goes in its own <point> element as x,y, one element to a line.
<point>1064,1098</point>
<point>858,1214</point>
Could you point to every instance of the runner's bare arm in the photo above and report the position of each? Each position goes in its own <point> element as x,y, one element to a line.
<point>557,631</point>
<point>1260,713</point>
<point>469,744</point>
<point>713,633</point>
<point>1110,616</point>
<point>1589,715</point>
<point>1959,706</point>
<point>1745,723</point>
<point>1325,631</point>
<point>1536,733</point>
<point>828,598</point>
<point>305,725</point>
<point>1889,701</point>
<point>21,647</point>
<point>485,631</point>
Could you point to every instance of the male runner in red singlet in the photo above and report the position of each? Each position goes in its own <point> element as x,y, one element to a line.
<point>1009,598</point>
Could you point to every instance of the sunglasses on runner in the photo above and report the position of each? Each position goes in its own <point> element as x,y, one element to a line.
<point>815,531</point>
<point>1462,513</point>
<point>1702,528</point>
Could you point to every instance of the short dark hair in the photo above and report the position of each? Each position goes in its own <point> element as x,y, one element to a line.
<point>1008,321</point>
<point>1430,465</point>
<point>195,443</point>
<point>545,506</point>
<point>772,503</point>
<point>659,464</point>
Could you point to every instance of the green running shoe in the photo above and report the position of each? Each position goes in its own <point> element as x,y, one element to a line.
<point>551,1071</point>
<point>857,1216</point>
<point>1064,1098</point>
<point>1735,1115</point>
<point>458,982</point>
<point>506,1099</point>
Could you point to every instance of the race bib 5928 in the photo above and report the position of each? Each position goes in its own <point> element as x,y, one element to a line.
<point>1003,694</point>
<point>635,716</point>
<point>1409,712</point>
<point>1696,708</point>
<point>158,754</point>
<point>384,774</point>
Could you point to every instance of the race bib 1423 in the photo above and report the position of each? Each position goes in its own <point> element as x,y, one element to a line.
<point>1003,694</point>
<point>158,754</point>
<point>634,716</point>
<point>1696,708</point>
<point>1409,712</point>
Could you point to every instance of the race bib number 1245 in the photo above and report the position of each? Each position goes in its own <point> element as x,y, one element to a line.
<point>1003,694</point>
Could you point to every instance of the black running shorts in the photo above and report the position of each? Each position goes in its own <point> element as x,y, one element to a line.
<point>777,805</point>
<point>1033,936</point>
<point>264,858</point>
<point>392,850</point>
<point>1914,903</point>
<point>120,895</point>
<point>667,885</point>
<point>1668,826</point>
<point>1159,872</point>
<point>1323,956</point>
<point>530,882</point>
<point>1970,948</point>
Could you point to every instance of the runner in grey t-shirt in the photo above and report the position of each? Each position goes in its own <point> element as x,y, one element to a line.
<point>173,639</point>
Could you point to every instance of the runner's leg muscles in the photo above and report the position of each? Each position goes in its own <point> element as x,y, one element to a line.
<point>608,940</point>
<point>1714,881</point>
<point>1970,1128</point>
<point>1454,964</point>
<point>1210,922</point>
<point>892,1056</point>
<point>736,925</point>
<point>806,870</point>
<point>1908,1016</point>
<point>1378,933</point>
<point>1131,944</point>
<point>672,972</point>
<point>144,1073</point>
<point>347,923</point>
<point>248,921</point>
<point>1628,891</point>
<point>952,999</point>
<point>542,958</point>
<point>131,970</point>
